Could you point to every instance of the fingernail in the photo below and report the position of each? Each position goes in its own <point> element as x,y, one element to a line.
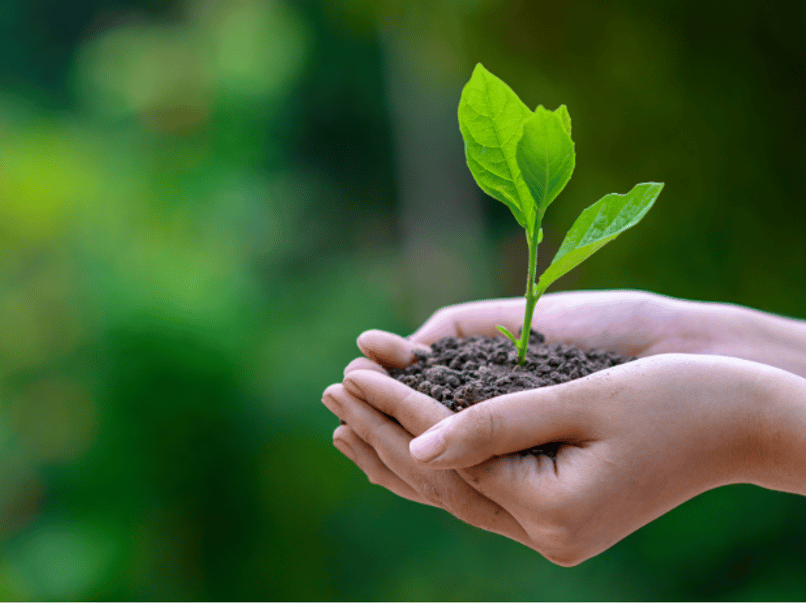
<point>428,446</point>
<point>343,447</point>
<point>332,404</point>
<point>364,342</point>
<point>351,385</point>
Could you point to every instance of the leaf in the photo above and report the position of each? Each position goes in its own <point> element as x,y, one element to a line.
<point>545,155</point>
<point>491,117</point>
<point>597,225</point>
<point>509,335</point>
<point>565,118</point>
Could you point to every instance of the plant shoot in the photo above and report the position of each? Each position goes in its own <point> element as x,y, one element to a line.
<point>524,159</point>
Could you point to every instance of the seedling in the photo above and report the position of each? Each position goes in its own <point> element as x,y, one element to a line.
<point>524,159</point>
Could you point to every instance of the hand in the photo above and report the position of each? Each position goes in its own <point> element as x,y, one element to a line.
<point>627,322</point>
<point>631,323</point>
<point>639,439</point>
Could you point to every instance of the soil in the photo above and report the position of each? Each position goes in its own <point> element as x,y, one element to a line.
<point>460,372</point>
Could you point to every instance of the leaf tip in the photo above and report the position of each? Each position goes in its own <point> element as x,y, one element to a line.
<point>565,118</point>
<point>655,187</point>
<point>479,70</point>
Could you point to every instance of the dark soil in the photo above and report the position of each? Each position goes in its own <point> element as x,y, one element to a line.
<point>460,372</point>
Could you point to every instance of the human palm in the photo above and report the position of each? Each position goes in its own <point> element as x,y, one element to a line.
<point>638,439</point>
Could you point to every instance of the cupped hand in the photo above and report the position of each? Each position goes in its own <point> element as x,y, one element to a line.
<point>638,440</point>
<point>628,322</point>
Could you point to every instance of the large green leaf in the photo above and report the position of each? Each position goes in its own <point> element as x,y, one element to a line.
<point>545,155</point>
<point>597,225</point>
<point>491,117</point>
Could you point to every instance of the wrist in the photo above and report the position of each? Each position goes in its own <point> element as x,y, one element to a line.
<point>737,331</point>
<point>778,341</point>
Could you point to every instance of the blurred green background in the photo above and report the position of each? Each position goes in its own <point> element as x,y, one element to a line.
<point>203,203</point>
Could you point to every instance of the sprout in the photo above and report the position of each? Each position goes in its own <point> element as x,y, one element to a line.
<point>524,159</point>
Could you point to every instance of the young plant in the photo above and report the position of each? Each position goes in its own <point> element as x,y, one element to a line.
<point>524,159</point>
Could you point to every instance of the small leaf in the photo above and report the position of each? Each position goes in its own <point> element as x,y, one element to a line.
<point>565,118</point>
<point>509,335</point>
<point>491,117</point>
<point>546,158</point>
<point>597,225</point>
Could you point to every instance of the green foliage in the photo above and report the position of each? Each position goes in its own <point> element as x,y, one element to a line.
<point>597,225</point>
<point>546,157</point>
<point>491,118</point>
<point>525,159</point>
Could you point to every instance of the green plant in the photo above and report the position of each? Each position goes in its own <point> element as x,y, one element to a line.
<point>524,159</point>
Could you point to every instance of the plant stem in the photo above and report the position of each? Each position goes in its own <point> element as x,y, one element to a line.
<point>531,297</point>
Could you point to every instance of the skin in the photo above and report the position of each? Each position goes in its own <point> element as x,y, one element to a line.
<point>717,396</point>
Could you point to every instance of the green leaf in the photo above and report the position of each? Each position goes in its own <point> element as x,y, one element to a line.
<point>545,155</point>
<point>491,117</point>
<point>565,118</point>
<point>597,225</point>
<point>509,335</point>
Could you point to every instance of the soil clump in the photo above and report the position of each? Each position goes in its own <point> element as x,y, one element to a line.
<point>460,372</point>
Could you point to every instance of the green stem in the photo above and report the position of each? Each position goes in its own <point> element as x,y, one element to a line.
<point>531,297</point>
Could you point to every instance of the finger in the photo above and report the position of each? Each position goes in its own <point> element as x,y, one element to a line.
<point>502,480</point>
<point>509,423</point>
<point>352,446</point>
<point>362,363</point>
<point>387,349</point>
<point>442,488</point>
<point>415,411</point>
<point>472,319</point>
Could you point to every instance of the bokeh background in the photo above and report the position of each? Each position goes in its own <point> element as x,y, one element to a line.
<point>203,203</point>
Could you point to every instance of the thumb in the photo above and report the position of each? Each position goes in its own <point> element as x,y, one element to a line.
<point>503,425</point>
<point>389,350</point>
